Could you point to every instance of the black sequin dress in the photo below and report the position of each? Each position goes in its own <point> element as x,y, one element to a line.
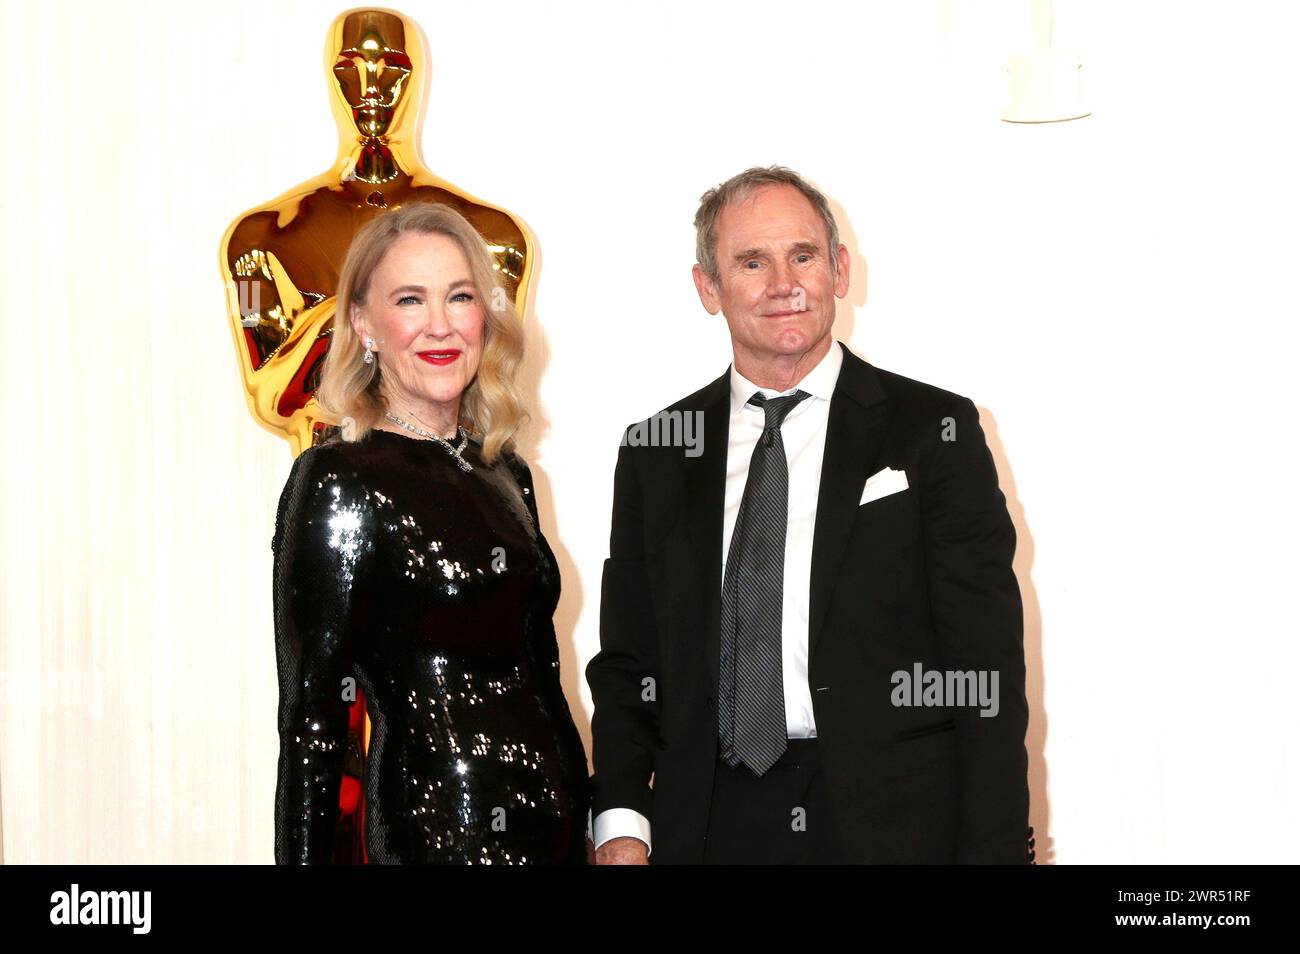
<point>434,589</point>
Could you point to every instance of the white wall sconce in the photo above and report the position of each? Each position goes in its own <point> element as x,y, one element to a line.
<point>1046,84</point>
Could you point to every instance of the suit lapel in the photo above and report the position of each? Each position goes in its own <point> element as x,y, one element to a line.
<point>854,434</point>
<point>703,490</point>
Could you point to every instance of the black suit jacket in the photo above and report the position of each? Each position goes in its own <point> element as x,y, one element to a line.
<point>922,575</point>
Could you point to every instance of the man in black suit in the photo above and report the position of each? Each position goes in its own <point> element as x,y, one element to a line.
<point>795,615</point>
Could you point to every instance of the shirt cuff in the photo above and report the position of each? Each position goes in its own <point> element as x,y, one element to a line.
<point>620,823</point>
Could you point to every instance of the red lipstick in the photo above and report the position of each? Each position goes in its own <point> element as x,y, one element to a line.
<point>440,357</point>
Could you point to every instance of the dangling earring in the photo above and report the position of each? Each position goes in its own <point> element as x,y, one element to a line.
<point>369,355</point>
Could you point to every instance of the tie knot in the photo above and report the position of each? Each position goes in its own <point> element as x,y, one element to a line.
<point>776,409</point>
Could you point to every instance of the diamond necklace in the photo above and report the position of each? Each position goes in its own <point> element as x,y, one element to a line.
<point>454,451</point>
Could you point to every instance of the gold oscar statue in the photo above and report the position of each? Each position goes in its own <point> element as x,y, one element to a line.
<point>281,261</point>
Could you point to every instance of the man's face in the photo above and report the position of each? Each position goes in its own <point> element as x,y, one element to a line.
<point>777,284</point>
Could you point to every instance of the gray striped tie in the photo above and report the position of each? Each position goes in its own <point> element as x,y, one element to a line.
<point>751,696</point>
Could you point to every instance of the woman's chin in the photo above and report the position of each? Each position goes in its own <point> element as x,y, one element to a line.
<point>445,393</point>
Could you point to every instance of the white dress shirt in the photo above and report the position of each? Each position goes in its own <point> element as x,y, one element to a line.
<point>804,436</point>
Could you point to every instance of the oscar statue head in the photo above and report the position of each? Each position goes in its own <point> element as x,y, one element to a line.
<point>377,60</point>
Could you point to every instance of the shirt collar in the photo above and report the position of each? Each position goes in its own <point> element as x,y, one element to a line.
<point>819,382</point>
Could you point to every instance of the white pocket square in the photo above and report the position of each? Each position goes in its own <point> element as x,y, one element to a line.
<point>882,484</point>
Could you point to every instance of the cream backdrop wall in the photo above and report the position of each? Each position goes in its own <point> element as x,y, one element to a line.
<point>1117,294</point>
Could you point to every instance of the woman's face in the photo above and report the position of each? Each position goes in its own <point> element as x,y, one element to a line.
<point>427,321</point>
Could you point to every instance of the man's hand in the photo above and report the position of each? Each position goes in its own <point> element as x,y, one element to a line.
<point>623,851</point>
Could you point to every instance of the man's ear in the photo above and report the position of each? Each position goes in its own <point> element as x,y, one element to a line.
<point>707,292</point>
<point>842,261</point>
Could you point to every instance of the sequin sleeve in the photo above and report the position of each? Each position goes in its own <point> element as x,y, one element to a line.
<point>320,536</point>
<point>543,645</point>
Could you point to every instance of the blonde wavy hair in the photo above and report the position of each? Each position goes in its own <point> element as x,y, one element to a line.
<point>490,405</point>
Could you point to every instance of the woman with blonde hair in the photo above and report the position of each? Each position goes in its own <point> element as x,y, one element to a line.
<point>409,564</point>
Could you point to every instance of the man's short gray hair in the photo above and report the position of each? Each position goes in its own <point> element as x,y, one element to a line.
<point>738,187</point>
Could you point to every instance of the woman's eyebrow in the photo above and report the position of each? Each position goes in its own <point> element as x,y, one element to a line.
<point>421,289</point>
